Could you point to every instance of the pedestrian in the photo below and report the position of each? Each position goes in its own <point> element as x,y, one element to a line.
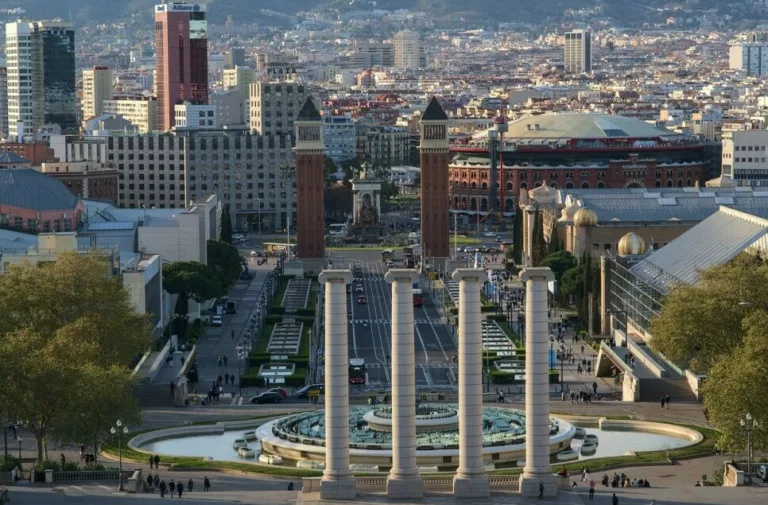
<point>173,387</point>
<point>226,378</point>
<point>666,400</point>
<point>221,360</point>
<point>541,490</point>
<point>218,380</point>
<point>171,487</point>
<point>226,360</point>
<point>591,489</point>
<point>290,486</point>
<point>151,462</point>
<point>182,360</point>
<point>206,484</point>
<point>233,334</point>
<point>150,481</point>
<point>615,499</point>
<point>157,480</point>
<point>662,402</point>
<point>157,462</point>
<point>180,488</point>
<point>162,489</point>
<point>190,485</point>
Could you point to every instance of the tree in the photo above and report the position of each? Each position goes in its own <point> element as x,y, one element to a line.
<point>736,385</point>
<point>103,395</point>
<point>700,322</point>
<point>190,280</point>
<point>572,283</point>
<point>77,288</point>
<point>225,262</point>
<point>559,262</point>
<point>226,225</point>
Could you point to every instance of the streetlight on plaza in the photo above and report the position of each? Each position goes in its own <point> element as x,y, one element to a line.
<point>119,430</point>
<point>748,425</point>
<point>19,439</point>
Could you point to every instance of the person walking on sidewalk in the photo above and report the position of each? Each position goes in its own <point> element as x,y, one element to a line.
<point>151,461</point>
<point>162,489</point>
<point>206,484</point>
<point>180,488</point>
<point>157,462</point>
<point>591,489</point>
<point>171,487</point>
<point>190,485</point>
<point>615,500</point>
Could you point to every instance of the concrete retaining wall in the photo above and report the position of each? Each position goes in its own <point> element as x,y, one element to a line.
<point>154,370</point>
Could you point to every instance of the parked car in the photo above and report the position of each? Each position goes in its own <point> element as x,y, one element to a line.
<point>267,398</point>
<point>305,391</point>
<point>762,472</point>
<point>282,392</point>
<point>499,240</point>
<point>216,321</point>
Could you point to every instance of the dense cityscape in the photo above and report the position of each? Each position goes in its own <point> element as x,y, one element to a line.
<point>323,251</point>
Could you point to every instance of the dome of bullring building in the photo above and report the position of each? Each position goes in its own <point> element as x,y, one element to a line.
<point>31,201</point>
<point>585,217</point>
<point>632,244</point>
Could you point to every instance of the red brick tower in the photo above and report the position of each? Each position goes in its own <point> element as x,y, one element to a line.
<point>310,187</point>
<point>434,183</point>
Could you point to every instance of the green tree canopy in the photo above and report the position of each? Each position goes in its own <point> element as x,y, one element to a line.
<point>190,280</point>
<point>63,322</point>
<point>226,225</point>
<point>224,260</point>
<point>737,383</point>
<point>700,322</point>
<point>560,262</point>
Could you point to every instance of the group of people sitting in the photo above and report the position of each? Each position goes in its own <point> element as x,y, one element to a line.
<point>624,481</point>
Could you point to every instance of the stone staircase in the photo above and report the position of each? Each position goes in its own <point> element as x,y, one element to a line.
<point>651,390</point>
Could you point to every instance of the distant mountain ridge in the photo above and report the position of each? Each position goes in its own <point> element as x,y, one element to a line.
<point>249,10</point>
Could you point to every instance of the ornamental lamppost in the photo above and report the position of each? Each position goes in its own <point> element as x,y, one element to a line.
<point>748,425</point>
<point>119,430</point>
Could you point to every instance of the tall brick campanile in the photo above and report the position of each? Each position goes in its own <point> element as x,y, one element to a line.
<point>434,183</point>
<point>310,187</point>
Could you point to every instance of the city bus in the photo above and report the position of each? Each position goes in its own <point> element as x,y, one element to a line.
<point>418,296</point>
<point>357,371</point>
<point>275,247</point>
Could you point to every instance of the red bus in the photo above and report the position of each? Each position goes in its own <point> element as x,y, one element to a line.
<point>418,298</point>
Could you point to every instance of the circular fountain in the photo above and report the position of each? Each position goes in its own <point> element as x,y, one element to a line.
<point>301,437</point>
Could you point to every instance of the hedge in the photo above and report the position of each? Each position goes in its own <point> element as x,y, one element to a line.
<point>499,377</point>
<point>308,321</point>
<point>306,312</point>
<point>491,307</point>
<point>277,309</point>
<point>273,318</point>
<point>496,317</point>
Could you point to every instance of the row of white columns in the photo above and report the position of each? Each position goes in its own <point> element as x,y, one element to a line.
<point>404,481</point>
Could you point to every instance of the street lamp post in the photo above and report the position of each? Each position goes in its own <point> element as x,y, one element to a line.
<point>119,430</point>
<point>748,425</point>
<point>19,439</point>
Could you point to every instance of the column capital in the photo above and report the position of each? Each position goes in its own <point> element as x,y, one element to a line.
<point>335,276</point>
<point>537,273</point>
<point>469,274</point>
<point>402,275</point>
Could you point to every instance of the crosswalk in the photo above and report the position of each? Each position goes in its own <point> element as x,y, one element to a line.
<point>389,321</point>
<point>432,364</point>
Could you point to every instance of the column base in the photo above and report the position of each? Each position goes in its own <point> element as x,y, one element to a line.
<point>343,489</point>
<point>405,487</point>
<point>476,486</point>
<point>529,485</point>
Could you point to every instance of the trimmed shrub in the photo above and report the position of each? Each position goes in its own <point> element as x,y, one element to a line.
<point>306,312</point>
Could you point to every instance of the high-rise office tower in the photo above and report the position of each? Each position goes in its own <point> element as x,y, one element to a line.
<point>577,52</point>
<point>3,100</point>
<point>97,87</point>
<point>235,57</point>
<point>409,50</point>
<point>41,75</point>
<point>181,48</point>
<point>274,107</point>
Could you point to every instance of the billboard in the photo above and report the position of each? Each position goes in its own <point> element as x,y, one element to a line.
<point>180,7</point>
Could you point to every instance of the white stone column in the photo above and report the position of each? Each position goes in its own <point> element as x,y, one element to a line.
<point>338,483</point>
<point>470,480</point>
<point>404,480</point>
<point>530,218</point>
<point>537,467</point>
